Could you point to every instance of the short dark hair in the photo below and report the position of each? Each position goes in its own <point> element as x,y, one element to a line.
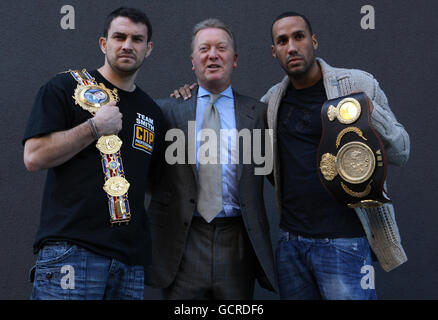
<point>291,14</point>
<point>135,15</point>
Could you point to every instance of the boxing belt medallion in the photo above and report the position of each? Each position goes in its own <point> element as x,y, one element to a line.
<point>351,158</point>
<point>91,96</point>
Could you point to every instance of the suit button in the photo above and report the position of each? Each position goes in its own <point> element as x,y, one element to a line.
<point>192,200</point>
<point>186,224</point>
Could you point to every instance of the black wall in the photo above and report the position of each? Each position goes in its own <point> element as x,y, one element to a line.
<point>401,53</point>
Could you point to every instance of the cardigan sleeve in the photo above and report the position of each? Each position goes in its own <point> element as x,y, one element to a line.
<point>395,138</point>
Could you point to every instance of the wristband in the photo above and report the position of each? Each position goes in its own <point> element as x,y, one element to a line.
<point>93,129</point>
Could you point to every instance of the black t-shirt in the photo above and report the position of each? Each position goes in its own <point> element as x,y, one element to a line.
<point>307,208</point>
<point>75,206</point>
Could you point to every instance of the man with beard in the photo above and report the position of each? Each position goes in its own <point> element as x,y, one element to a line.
<point>92,242</point>
<point>324,247</point>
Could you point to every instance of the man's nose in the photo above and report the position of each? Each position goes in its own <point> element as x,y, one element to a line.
<point>212,54</point>
<point>291,47</point>
<point>127,44</point>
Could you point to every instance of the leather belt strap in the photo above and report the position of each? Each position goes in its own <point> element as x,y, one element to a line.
<point>351,158</point>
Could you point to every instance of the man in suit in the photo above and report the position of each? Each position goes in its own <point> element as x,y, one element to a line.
<point>210,234</point>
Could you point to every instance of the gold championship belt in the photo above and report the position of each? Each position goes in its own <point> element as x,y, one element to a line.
<point>351,159</point>
<point>91,96</point>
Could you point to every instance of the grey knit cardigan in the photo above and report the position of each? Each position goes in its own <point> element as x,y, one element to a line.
<point>379,223</point>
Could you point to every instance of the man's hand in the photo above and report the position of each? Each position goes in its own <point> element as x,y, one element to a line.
<point>184,92</point>
<point>58,147</point>
<point>108,119</point>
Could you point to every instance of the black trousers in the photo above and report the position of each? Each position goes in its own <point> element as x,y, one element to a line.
<point>219,262</point>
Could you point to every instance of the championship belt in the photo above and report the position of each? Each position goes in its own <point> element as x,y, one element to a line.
<point>90,96</point>
<point>351,158</point>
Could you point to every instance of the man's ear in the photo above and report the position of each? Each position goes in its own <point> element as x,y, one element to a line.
<point>102,44</point>
<point>236,58</point>
<point>149,49</point>
<point>274,53</point>
<point>315,42</point>
<point>193,66</point>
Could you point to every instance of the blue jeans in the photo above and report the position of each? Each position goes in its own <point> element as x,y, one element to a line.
<point>331,269</point>
<point>64,271</point>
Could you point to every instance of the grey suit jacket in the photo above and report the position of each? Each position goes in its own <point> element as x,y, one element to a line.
<point>174,200</point>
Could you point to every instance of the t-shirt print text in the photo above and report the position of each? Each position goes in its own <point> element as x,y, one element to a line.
<point>144,133</point>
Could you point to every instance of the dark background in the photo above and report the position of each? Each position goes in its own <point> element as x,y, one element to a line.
<point>401,53</point>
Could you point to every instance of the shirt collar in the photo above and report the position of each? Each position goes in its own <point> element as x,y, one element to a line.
<point>228,92</point>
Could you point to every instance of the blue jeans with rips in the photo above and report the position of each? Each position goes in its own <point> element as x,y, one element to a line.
<point>65,271</point>
<point>328,269</point>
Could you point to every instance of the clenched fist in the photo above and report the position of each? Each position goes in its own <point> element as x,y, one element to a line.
<point>108,119</point>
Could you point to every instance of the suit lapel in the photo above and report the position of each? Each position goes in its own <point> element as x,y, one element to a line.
<point>187,112</point>
<point>245,115</point>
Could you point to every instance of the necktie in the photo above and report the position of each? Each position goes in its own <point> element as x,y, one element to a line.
<point>210,174</point>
